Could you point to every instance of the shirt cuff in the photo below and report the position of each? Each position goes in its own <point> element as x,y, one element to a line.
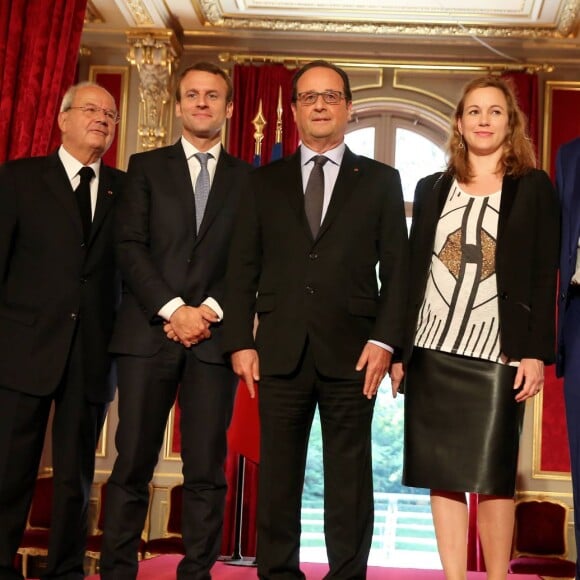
<point>213,304</point>
<point>382,345</point>
<point>166,312</point>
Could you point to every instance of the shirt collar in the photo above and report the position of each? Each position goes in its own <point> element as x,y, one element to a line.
<point>191,150</point>
<point>335,155</point>
<point>72,165</point>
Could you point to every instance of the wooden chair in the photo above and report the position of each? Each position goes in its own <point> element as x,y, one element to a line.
<point>171,541</point>
<point>35,539</point>
<point>540,540</point>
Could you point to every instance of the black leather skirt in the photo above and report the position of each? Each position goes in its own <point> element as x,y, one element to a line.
<point>462,424</point>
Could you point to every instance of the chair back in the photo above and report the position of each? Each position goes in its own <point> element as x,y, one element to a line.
<point>540,528</point>
<point>173,527</point>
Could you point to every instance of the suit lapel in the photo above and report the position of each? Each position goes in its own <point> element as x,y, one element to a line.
<point>508,195</point>
<point>60,187</point>
<point>573,183</point>
<point>344,187</point>
<point>178,169</point>
<point>292,189</point>
<point>105,197</point>
<point>220,187</point>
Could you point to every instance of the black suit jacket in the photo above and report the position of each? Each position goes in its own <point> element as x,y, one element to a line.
<point>325,288</point>
<point>159,253</point>
<point>52,285</point>
<point>526,259</point>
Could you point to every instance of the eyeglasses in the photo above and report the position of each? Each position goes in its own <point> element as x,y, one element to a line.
<point>329,97</point>
<point>93,112</point>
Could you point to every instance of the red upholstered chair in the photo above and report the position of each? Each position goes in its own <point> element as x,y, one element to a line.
<point>35,539</point>
<point>171,541</point>
<point>540,540</point>
<point>95,539</point>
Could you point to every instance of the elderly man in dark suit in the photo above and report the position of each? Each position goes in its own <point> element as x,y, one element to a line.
<point>568,355</point>
<point>311,232</point>
<point>174,224</point>
<point>58,291</point>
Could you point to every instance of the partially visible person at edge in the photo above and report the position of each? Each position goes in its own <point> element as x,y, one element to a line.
<point>306,263</point>
<point>58,293</point>
<point>484,256</point>
<point>568,358</point>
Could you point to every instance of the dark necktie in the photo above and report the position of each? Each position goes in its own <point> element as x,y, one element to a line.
<point>314,194</point>
<point>202,186</point>
<point>83,195</point>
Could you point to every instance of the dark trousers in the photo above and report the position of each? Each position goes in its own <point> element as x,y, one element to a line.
<point>76,428</point>
<point>571,336</point>
<point>287,405</point>
<point>148,387</point>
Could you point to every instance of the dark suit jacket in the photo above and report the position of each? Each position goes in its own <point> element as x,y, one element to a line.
<point>568,182</point>
<point>159,253</point>
<point>326,288</point>
<point>526,259</point>
<point>50,283</point>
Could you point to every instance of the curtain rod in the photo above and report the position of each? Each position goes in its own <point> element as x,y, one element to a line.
<point>296,62</point>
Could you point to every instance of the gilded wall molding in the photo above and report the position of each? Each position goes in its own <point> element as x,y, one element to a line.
<point>155,55</point>
<point>214,16</point>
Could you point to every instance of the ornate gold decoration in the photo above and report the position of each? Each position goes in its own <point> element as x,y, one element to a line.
<point>92,15</point>
<point>155,54</point>
<point>279,112</point>
<point>214,16</point>
<point>139,12</point>
<point>259,122</point>
<point>296,62</point>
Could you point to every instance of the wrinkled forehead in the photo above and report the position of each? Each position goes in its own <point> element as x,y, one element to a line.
<point>96,96</point>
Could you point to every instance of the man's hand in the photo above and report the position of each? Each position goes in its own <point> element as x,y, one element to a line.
<point>396,373</point>
<point>376,360</point>
<point>530,377</point>
<point>188,325</point>
<point>246,365</point>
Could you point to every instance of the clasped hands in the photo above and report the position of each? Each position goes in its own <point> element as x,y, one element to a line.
<point>189,325</point>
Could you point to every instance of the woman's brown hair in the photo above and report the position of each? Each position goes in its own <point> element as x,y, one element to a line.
<point>518,153</point>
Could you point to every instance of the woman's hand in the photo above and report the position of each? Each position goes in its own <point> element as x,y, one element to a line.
<point>530,377</point>
<point>396,372</point>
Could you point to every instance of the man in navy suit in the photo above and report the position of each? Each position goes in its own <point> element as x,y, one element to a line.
<point>311,232</point>
<point>58,293</point>
<point>173,232</point>
<point>568,356</point>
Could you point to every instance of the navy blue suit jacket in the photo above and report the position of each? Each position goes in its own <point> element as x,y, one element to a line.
<point>568,183</point>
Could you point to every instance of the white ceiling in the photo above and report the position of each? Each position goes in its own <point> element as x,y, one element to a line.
<point>244,23</point>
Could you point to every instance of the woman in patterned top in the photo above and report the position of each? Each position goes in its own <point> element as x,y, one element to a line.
<point>484,253</point>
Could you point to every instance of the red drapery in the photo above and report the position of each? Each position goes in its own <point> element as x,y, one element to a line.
<point>39,45</point>
<point>252,83</point>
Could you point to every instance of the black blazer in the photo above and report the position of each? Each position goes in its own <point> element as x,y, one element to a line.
<point>50,283</point>
<point>325,288</point>
<point>526,260</point>
<point>159,253</point>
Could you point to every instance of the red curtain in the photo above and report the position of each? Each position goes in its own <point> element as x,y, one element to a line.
<point>39,45</point>
<point>252,83</point>
<point>526,89</point>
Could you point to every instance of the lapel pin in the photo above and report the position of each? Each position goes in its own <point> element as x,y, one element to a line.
<point>109,192</point>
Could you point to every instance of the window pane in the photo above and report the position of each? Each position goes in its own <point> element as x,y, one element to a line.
<point>415,157</point>
<point>362,141</point>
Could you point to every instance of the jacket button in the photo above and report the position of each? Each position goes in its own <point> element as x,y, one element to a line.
<point>310,290</point>
<point>313,256</point>
<point>562,295</point>
<point>83,280</point>
<point>503,295</point>
<point>73,316</point>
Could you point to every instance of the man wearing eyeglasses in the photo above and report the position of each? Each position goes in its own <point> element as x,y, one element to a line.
<point>312,229</point>
<point>58,290</point>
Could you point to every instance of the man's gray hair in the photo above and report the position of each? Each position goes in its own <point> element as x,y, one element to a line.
<point>71,92</point>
